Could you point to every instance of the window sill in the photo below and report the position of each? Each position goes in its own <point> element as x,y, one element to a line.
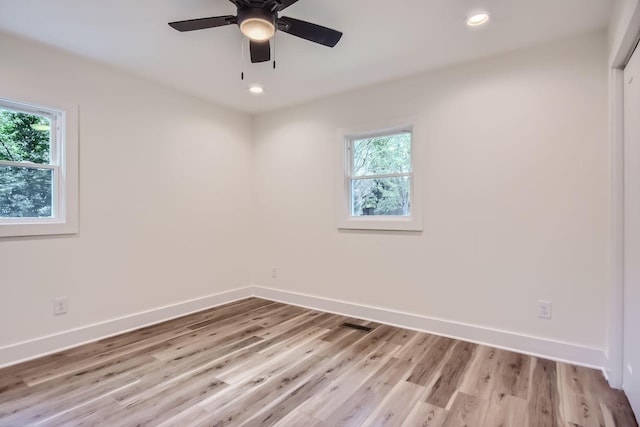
<point>25,229</point>
<point>381,223</point>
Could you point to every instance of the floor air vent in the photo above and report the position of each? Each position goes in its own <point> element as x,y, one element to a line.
<point>358,327</point>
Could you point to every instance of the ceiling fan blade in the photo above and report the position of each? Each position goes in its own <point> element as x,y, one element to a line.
<point>202,23</point>
<point>308,31</point>
<point>285,4</point>
<point>260,51</point>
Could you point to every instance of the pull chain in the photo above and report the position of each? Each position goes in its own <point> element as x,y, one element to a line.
<point>241,57</point>
<point>274,52</point>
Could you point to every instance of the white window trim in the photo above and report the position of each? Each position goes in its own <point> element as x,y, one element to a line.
<point>65,151</point>
<point>344,218</point>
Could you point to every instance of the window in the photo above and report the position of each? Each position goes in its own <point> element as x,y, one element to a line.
<point>378,187</point>
<point>38,171</point>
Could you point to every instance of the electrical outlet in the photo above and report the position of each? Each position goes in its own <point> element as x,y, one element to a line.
<point>274,272</point>
<point>60,306</point>
<point>544,309</point>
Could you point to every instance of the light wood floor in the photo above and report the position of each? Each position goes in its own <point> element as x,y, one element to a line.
<point>260,363</point>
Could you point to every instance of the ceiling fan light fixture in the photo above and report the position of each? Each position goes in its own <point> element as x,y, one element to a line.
<point>257,29</point>
<point>477,19</point>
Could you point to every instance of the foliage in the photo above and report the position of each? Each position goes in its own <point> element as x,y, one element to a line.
<point>381,156</point>
<point>24,191</point>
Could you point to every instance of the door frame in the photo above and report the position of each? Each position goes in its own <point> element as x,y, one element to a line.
<point>619,58</point>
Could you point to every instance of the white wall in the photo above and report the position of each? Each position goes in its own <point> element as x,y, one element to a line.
<point>164,199</point>
<point>515,195</point>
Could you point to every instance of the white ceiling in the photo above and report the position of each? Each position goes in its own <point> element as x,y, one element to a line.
<point>382,40</point>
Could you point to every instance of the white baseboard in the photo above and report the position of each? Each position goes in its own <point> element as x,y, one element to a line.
<point>535,346</point>
<point>42,346</point>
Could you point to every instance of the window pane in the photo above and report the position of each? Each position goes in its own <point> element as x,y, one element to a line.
<point>382,155</point>
<point>25,192</point>
<point>381,196</point>
<point>24,137</point>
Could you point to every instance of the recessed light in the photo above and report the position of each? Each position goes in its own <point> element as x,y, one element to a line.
<point>477,19</point>
<point>256,89</point>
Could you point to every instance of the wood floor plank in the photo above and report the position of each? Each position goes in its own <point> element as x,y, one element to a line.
<point>323,404</point>
<point>263,397</point>
<point>256,362</point>
<point>164,374</point>
<point>35,410</point>
<point>282,410</point>
<point>505,411</point>
<point>235,315</point>
<point>188,417</point>
<point>578,403</point>
<point>431,361</point>
<point>86,415</point>
<point>368,397</point>
<point>195,343</point>
<point>414,349</point>
<point>613,402</point>
<point>13,376</point>
<point>337,333</point>
<point>396,406</point>
<point>467,411</point>
<point>276,326</point>
<point>513,374</point>
<point>156,408</point>
<point>274,354</point>
<point>20,399</point>
<point>424,414</point>
<point>304,349</point>
<point>616,404</point>
<point>111,343</point>
<point>150,342</point>
<point>296,418</point>
<point>254,381</point>
<point>544,400</point>
<point>402,336</point>
<point>240,320</point>
<point>451,374</point>
<point>480,379</point>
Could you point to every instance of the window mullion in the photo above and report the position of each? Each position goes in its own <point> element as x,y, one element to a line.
<point>382,176</point>
<point>27,165</point>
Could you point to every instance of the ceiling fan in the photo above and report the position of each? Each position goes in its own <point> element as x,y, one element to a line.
<point>259,20</point>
